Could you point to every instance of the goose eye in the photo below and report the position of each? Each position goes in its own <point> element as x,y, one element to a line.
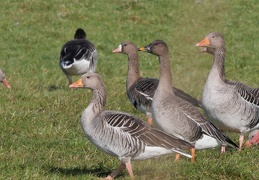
<point>124,44</point>
<point>213,36</point>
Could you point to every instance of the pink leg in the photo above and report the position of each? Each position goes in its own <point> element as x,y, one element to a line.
<point>150,121</point>
<point>177,157</point>
<point>241,139</point>
<point>223,149</point>
<point>129,168</point>
<point>116,172</point>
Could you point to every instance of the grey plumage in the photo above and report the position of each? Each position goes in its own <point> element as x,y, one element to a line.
<point>177,116</point>
<point>140,91</point>
<point>232,106</point>
<point>121,134</point>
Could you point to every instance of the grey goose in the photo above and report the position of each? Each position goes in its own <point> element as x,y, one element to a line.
<point>177,116</point>
<point>121,134</point>
<point>78,56</point>
<point>232,106</point>
<point>253,138</point>
<point>140,91</point>
<point>3,79</point>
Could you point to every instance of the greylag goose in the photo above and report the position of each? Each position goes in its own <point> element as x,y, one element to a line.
<point>3,79</point>
<point>120,134</point>
<point>253,138</point>
<point>231,106</point>
<point>177,116</point>
<point>140,91</point>
<point>78,56</point>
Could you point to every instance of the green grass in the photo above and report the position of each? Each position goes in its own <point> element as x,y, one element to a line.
<point>41,137</point>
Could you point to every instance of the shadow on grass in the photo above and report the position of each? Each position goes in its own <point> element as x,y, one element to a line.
<point>98,172</point>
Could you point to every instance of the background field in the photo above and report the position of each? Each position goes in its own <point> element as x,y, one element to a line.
<point>41,137</point>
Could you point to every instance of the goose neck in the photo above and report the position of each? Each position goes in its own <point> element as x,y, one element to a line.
<point>133,69</point>
<point>219,63</point>
<point>165,81</point>
<point>96,105</point>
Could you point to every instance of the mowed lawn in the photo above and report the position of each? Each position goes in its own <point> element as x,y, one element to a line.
<point>41,135</point>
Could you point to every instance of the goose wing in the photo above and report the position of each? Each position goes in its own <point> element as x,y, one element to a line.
<point>201,125</point>
<point>129,133</point>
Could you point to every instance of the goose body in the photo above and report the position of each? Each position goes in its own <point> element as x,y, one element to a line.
<point>78,56</point>
<point>177,116</point>
<point>140,91</point>
<point>120,134</point>
<point>232,106</point>
<point>3,79</point>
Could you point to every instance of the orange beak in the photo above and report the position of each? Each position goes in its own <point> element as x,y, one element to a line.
<point>6,83</point>
<point>204,43</point>
<point>142,49</point>
<point>77,84</point>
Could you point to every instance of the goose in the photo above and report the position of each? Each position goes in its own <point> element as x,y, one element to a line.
<point>120,134</point>
<point>140,91</point>
<point>253,138</point>
<point>231,106</point>
<point>3,79</point>
<point>78,56</point>
<point>177,116</point>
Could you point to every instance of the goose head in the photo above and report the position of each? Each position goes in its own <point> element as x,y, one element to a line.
<point>3,79</point>
<point>253,138</point>
<point>89,81</point>
<point>157,47</point>
<point>212,42</point>
<point>125,47</point>
<point>80,34</point>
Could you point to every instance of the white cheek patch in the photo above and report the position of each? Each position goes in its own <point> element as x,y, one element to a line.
<point>120,47</point>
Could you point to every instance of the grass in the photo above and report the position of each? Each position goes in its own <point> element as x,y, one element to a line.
<point>41,137</point>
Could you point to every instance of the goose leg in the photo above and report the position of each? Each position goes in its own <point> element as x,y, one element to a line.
<point>193,154</point>
<point>241,139</point>
<point>223,149</point>
<point>116,172</point>
<point>150,121</point>
<point>69,80</point>
<point>192,150</point>
<point>177,157</point>
<point>129,168</point>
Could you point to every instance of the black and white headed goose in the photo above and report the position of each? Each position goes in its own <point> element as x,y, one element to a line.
<point>253,138</point>
<point>177,116</point>
<point>3,79</point>
<point>140,90</point>
<point>121,134</point>
<point>232,106</point>
<point>78,56</point>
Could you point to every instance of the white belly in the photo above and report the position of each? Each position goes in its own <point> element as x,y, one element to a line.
<point>77,68</point>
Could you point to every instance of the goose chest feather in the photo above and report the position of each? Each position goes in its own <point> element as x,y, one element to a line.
<point>177,116</point>
<point>230,105</point>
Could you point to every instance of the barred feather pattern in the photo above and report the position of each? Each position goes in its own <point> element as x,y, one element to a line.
<point>121,134</point>
<point>232,105</point>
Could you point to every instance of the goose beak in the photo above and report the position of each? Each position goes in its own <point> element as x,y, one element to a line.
<point>118,49</point>
<point>142,49</point>
<point>77,84</point>
<point>204,43</point>
<point>6,83</point>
